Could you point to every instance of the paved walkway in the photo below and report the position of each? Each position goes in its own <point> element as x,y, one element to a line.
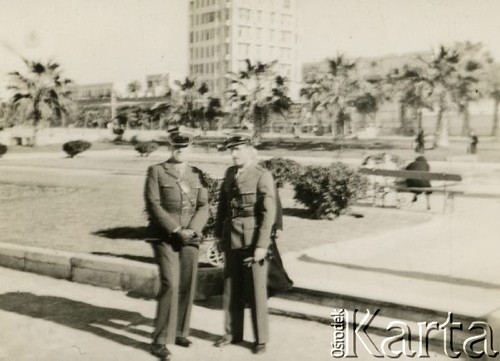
<point>448,264</point>
<point>44,319</point>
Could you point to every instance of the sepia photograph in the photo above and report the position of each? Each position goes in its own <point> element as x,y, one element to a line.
<point>249,180</point>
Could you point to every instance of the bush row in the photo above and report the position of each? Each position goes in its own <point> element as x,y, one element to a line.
<point>3,149</point>
<point>327,192</point>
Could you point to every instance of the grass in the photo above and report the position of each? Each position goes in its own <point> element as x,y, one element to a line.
<point>82,206</point>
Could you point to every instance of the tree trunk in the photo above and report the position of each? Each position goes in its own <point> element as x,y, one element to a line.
<point>466,119</point>
<point>441,138</point>
<point>419,119</point>
<point>495,131</point>
<point>363,120</point>
<point>402,116</point>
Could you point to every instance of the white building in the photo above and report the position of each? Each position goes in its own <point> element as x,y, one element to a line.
<point>223,33</point>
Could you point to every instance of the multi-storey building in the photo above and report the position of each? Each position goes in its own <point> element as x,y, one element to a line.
<point>223,33</point>
<point>92,91</point>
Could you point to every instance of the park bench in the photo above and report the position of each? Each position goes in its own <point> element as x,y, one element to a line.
<point>446,188</point>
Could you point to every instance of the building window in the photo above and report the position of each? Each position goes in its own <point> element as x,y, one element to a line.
<point>272,16</point>
<point>191,37</point>
<point>258,34</point>
<point>286,4</point>
<point>271,34</point>
<point>244,14</point>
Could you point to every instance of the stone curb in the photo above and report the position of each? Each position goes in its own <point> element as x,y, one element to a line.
<point>139,279</point>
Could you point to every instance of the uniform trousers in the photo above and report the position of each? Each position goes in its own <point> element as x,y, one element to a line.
<point>245,286</point>
<point>178,273</point>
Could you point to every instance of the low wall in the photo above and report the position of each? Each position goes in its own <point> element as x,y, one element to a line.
<point>137,278</point>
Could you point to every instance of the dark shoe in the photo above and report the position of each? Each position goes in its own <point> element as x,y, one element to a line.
<point>223,341</point>
<point>259,348</point>
<point>160,351</point>
<point>182,341</point>
<point>226,340</point>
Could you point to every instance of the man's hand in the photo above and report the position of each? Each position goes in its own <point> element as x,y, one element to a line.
<point>259,254</point>
<point>186,234</point>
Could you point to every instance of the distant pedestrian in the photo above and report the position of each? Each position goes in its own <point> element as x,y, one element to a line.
<point>473,141</point>
<point>420,142</point>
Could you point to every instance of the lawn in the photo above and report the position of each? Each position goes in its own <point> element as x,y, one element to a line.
<point>96,206</point>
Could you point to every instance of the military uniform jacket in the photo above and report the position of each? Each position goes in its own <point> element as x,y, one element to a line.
<point>174,201</point>
<point>247,208</point>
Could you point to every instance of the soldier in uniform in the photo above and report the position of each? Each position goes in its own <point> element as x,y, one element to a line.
<point>177,208</point>
<point>245,217</point>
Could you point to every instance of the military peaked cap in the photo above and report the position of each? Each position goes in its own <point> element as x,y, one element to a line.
<point>236,140</point>
<point>179,140</point>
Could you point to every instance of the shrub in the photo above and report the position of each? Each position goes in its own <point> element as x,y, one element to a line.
<point>283,170</point>
<point>146,148</point>
<point>75,147</point>
<point>213,187</point>
<point>3,149</point>
<point>329,191</point>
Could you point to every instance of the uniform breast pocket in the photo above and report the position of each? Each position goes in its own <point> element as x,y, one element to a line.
<point>169,192</point>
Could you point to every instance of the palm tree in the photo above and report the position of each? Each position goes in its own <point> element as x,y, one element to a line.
<point>441,72</point>
<point>493,89</point>
<point>467,85</point>
<point>41,94</point>
<point>413,91</point>
<point>256,92</point>
<point>191,99</point>
<point>333,92</point>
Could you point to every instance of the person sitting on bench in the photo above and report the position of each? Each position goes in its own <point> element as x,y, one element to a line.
<point>419,164</point>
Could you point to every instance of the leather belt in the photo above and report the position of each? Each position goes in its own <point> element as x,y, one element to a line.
<point>241,213</point>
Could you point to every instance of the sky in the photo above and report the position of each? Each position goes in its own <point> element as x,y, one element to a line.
<point>124,40</point>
